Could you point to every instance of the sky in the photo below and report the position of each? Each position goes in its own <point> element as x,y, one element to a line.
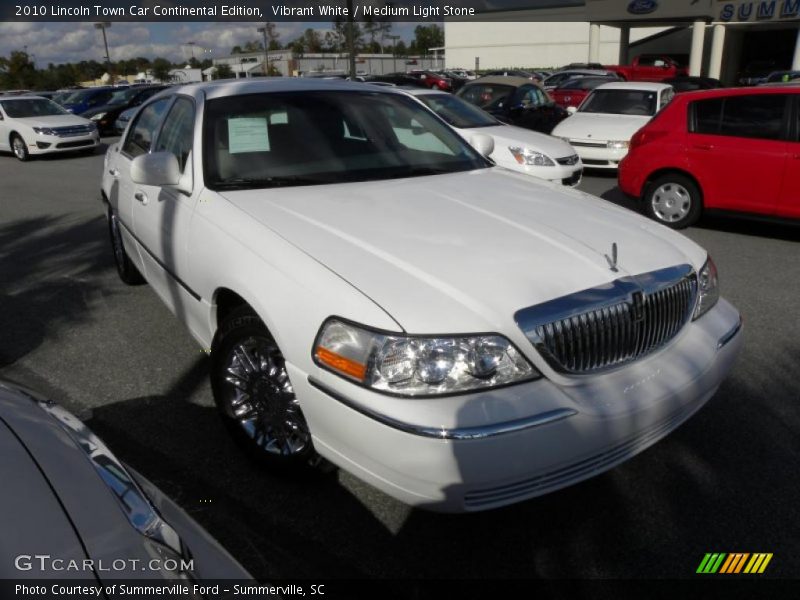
<point>73,42</point>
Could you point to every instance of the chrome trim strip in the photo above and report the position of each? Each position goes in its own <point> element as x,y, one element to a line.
<point>731,334</point>
<point>466,433</point>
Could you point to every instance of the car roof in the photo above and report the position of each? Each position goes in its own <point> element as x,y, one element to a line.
<point>502,79</point>
<point>739,91</point>
<point>233,87</point>
<point>635,85</point>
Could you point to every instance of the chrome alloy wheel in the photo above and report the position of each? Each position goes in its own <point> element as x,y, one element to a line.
<point>671,202</point>
<point>18,145</point>
<point>261,399</point>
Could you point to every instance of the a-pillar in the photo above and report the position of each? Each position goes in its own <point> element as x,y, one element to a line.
<point>796,59</point>
<point>717,48</point>
<point>594,42</point>
<point>624,44</point>
<point>696,53</point>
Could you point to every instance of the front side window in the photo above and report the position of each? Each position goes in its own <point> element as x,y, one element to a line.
<point>178,132</point>
<point>291,138</point>
<point>486,96</point>
<point>143,131</point>
<point>621,102</point>
<point>756,116</point>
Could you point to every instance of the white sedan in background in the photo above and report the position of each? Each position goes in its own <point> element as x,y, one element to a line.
<point>603,125</point>
<point>515,148</point>
<point>33,125</point>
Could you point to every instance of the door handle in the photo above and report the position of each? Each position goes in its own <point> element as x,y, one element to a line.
<point>141,197</point>
<point>113,172</point>
<point>703,147</point>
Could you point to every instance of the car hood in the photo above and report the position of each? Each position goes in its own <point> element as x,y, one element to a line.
<point>53,121</point>
<point>510,135</point>
<point>595,126</point>
<point>463,252</point>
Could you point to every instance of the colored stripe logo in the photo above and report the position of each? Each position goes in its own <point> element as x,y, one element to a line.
<point>734,563</point>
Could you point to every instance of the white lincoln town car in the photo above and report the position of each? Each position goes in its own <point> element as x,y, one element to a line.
<point>456,334</point>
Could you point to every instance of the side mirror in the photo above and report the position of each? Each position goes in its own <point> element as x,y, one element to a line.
<point>572,109</point>
<point>482,143</point>
<point>157,169</point>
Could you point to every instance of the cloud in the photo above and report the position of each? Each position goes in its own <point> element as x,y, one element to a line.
<point>74,42</point>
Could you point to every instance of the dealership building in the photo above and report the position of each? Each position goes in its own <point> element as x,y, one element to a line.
<point>716,38</point>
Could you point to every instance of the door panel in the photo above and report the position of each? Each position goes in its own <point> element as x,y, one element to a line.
<point>162,217</point>
<point>736,149</point>
<point>789,200</point>
<point>138,141</point>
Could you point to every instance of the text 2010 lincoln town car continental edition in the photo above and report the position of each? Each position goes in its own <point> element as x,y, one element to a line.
<point>456,334</point>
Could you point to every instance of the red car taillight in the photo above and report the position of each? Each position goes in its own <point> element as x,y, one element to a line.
<point>645,136</point>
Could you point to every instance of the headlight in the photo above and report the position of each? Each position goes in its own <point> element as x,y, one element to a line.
<point>526,156</point>
<point>707,288</point>
<point>44,131</point>
<point>419,366</point>
<point>618,144</point>
<point>97,117</point>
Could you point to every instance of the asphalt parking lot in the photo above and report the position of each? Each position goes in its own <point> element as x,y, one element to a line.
<point>726,481</point>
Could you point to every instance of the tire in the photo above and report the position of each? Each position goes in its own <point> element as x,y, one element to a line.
<point>254,395</point>
<point>673,200</point>
<point>19,148</point>
<point>126,270</point>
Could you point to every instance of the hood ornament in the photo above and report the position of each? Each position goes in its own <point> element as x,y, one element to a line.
<point>612,260</point>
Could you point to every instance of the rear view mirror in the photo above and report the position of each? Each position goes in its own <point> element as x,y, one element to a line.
<point>158,169</point>
<point>482,143</point>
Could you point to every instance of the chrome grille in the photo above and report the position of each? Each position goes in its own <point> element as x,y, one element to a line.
<point>568,161</point>
<point>73,130</point>
<point>605,327</point>
<point>589,144</point>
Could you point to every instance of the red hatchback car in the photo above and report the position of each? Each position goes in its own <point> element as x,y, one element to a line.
<point>729,149</point>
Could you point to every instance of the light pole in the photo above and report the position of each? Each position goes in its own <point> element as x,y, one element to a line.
<point>191,44</point>
<point>394,39</point>
<point>264,30</point>
<point>103,26</point>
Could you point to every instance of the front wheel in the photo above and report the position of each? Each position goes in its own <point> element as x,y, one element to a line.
<point>254,395</point>
<point>19,148</point>
<point>673,200</point>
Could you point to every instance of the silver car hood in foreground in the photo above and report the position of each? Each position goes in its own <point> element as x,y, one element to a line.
<point>464,251</point>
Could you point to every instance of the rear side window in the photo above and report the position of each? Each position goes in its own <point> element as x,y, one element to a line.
<point>143,131</point>
<point>760,117</point>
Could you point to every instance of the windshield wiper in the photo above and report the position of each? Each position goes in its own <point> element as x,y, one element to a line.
<point>244,183</point>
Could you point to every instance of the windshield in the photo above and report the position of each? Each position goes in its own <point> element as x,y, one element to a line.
<point>309,138</point>
<point>77,97</point>
<point>457,112</point>
<point>621,102</point>
<point>34,107</point>
<point>123,96</point>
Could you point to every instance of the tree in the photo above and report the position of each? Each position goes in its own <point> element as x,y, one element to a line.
<point>375,28</point>
<point>236,50</point>
<point>160,68</point>
<point>18,71</point>
<point>222,71</point>
<point>425,37</point>
<point>400,48</point>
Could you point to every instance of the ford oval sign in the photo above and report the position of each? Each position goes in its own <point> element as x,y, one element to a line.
<point>642,7</point>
